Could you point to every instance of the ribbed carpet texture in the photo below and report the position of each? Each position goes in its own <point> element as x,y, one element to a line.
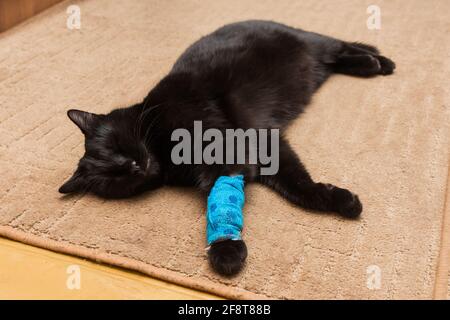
<point>385,138</point>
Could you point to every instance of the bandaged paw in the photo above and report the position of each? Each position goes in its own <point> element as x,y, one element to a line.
<point>224,210</point>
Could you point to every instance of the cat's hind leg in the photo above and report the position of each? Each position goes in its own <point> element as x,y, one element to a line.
<point>360,48</point>
<point>293,182</point>
<point>363,60</point>
<point>363,65</point>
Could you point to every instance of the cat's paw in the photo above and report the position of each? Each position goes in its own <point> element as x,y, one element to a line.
<point>387,66</point>
<point>345,203</point>
<point>227,257</point>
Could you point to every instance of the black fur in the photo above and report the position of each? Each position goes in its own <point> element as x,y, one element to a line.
<point>253,74</point>
<point>227,257</point>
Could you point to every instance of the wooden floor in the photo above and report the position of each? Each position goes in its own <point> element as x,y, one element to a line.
<point>32,273</point>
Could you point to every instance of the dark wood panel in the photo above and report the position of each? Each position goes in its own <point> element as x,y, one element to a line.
<point>13,12</point>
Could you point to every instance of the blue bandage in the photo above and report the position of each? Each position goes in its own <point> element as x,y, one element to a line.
<point>224,209</point>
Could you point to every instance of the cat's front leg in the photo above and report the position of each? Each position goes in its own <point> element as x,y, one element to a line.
<point>226,256</point>
<point>294,183</point>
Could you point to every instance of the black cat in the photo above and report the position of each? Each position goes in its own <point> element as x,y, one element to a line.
<point>253,74</point>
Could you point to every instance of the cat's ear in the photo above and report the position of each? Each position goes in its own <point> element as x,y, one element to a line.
<point>84,120</point>
<point>76,183</point>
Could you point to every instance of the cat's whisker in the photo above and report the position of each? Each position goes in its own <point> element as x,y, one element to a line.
<point>139,120</point>
<point>150,127</point>
<point>142,117</point>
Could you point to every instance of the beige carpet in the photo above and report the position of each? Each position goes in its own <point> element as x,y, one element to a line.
<point>386,139</point>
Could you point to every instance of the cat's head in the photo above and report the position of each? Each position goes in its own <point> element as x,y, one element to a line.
<point>116,163</point>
